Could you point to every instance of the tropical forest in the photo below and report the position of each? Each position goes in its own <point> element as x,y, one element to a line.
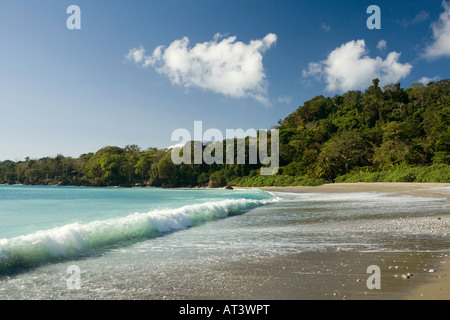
<point>384,134</point>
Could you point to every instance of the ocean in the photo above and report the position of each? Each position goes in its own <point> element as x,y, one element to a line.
<point>152,243</point>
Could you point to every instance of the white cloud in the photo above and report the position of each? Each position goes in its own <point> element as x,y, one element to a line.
<point>441,35</point>
<point>348,67</point>
<point>420,17</point>
<point>284,99</point>
<point>314,69</point>
<point>382,44</point>
<point>175,146</point>
<point>136,55</point>
<point>325,27</point>
<point>222,65</point>
<point>426,80</point>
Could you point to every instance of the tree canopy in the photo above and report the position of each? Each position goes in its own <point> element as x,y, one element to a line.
<point>382,134</point>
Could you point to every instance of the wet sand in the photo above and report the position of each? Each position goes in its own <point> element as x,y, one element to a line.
<point>422,284</point>
<point>325,275</point>
<point>331,274</point>
<point>343,276</point>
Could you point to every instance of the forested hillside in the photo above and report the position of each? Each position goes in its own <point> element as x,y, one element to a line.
<point>382,134</point>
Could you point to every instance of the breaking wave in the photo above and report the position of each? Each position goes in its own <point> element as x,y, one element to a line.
<point>75,240</point>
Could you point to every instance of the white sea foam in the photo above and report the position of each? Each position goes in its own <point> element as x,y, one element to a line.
<point>72,239</point>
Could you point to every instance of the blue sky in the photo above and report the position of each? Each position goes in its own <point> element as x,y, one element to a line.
<point>231,64</point>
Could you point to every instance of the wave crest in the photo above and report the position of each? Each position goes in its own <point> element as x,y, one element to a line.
<point>74,240</point>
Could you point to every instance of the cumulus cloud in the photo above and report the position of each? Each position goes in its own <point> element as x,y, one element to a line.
<point>136,55</point>
<point>222,65</point>
<point>382,44</point>
<point>348,67</point>
<point>426,80</point>
<point>440,47</point>
<point>176,146</point>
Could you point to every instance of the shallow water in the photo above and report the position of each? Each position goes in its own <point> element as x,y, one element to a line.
<point>200,256</point>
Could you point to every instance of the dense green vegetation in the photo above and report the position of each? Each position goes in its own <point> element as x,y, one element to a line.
<point>380,135</point>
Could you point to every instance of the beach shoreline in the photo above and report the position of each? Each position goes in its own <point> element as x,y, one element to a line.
<point>432,285</point>
<point>417,189</point>
<point>255,268</point>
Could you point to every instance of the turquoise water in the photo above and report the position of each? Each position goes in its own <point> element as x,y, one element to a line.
<point>26,209</point>
<point>138,243</point>
<point>41,224</point>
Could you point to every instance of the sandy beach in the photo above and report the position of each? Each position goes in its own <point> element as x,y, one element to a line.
<point>430,277</point>
<point>413,189</point>
<point>281,251</point>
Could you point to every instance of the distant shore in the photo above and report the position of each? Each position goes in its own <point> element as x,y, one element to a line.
<point>434,285</point>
